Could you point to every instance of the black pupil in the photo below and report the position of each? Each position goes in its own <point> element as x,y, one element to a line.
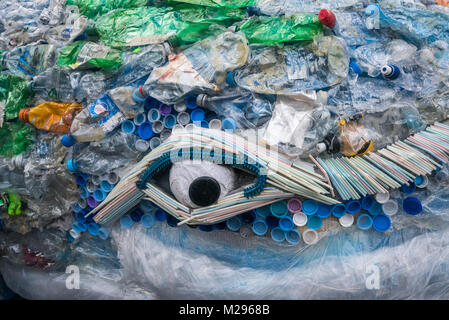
<point>204,191</point>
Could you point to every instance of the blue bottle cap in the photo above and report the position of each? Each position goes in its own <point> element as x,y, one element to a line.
<point>72,165</point>
<point>367,202</point>
<point>126,221</point>
<point>128,126</point>
<point>79,227</point>
<point>93,228</point>
<point>206,227</point>
<point>145,130</point>
<point>375,209</point>
<point>169,121</point>
<point>412,205</point>
<point>76,207</point>
<point>80,217</point>
<point>106,186</point>
<point>338,210</point>
<point>248,217</point>
<point>253,11</point>
<point>260,227</point>
<point>309,207</point>
<point>381,222</point>
<point>229,124</point>
<point>191,102</point>
<point>99,195</point>
<point>323,211</point>
<point>230,79</point>
<point>234,223</point>
<point>353,206</point>
<point>160,215</point>
<point>136,215</point>
<point>197,115</point>
<point>81,179</point>
<point>279,209</point>
<point>408,189</point>
<point>314,222</point>
<point>272,221</point>
<point>419,180</point>
<point>220,225</point>
<point>286,223</point>
<point>173,222</point>
<point>68,140</point>
<point>204,124</point>
<point>147,206</point>
<point>103,233</point>
<point>84,194</point>
<point>147,220</point>
<point>151,103</point>
<point>364,221</point>
<point>277,234</point>
<point>293,236</point>
<point>263,211</point>
<point>355,68</point>
<point>390,72</point>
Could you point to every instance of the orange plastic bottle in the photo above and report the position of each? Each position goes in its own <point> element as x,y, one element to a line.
<point>51,116</point>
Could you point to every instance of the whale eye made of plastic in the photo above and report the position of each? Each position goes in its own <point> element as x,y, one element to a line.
<point>204,191</point>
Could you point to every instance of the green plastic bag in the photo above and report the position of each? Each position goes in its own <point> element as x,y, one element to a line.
<point>213,3</point>
<point>271,30</point>
<point>14,94</point>
<point>15,138</point>
<point>95,8</point>
<point>84,55</point>
<point>182,24</point>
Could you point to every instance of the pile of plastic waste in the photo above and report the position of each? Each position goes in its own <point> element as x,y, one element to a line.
<point>258,149</point>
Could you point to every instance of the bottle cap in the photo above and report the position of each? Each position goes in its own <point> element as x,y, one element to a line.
<point>230,79</point>
<point>173,222</point>
<point>81,179</point>
<point>99,195</point>
<point>23,114</point>
<point>160,215</point>
<point>165,134</point>
<point>277,234</point>
<point>202,100</point>
<point>260,227</point>
<point>103,233</point>
<point>145,130</point>
<point>286,223</point>
<point>169,121</point>
<point>323,211</point>
<point>375,209</point>
<point>408,189</point>
<point>164,109</point>
<point>293,236</point>
<point>136,215</point>
<point>180,106</point>
<point>138,95</point>
<point>234,223</point>
<point>390,207</point>
<point>68,140</point>
<point>204,191</point>
<point>346,221</point>
<point>206,227</point>
<point>79,227</point>
<point>204,124</point>
<point>80,217</point>
<point>321,147</point>
<point>381,223</point>
<point>299,219</point>
<point>153,115</point>
<point>390,72</point>
<point>139,119</point>
<point>372,9</point>
<point>128,126</point>
<point>353,206</point>
<point>314,222</point>
<point>248,217</point>
<point>72,165</point>
<point>91,202</point>
<point>112,178</point>
<point>229,124</point>
<point>183,118</point>
<point>83,192</point>
<point>91,187</point>
<point>253,11</point>
<point>215,124</point>
<point>272,221</point>
<point>263,212</point>
<point>155,142</point>
<point>191,102</point>
<point>82,203</point>
<point>412,205</point>
<point>338,210</point>
<point>141,145</point>
<point>96,179</point>
<point>279,209</point>
<point>146,206</point>
<point>355,67</point>
<point>367,202</point>
<point>197,115</point>
<point>93,228</point>
<point>364,221</point>
<point>327,18</point>
<point>309,207</point>
<point>126,221</point>
<point>106,186</point>
<point>147,220</point>
<point>75,235</point>
<point>294,205</point>
<point>76,207</point>
<point>310,236</point>
<point>421,181</point>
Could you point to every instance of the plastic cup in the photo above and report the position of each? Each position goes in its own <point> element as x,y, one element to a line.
<point>103,233</point>
<point>353,206</point>
<point>183,118</point>
<point>145,131</point>
<point>364,221</point>
<point>126,221</point>
<point>169,121</point>
<point>314,222</point>
<point>142,145</point>
<point>299,219</point>
<point>412,205</point>
<point>197,115</point>
<point>382,197</point>
<point>155,142</point>
<point>294,205</point>
<point>293,236</point>
<point>139,119</point>
<point>338,210</point>
<point>277,234</point>
<point>310,236</point>
<point>153,115</point>
<point>229,124</point>
<point>234,223</point>
<point>260,227</point>
<point>286,223</point>
<point>128,126</point>
<point>147,220</point>
<point>309,207</point>
<point>346,221</point>
<point>215,124</point>
<point>323,211</point>
<point>279,209</point>
<point>421,181</point>
<point>165,134</point>
<point>381,223</point>
<point>164,109</point>
<point>367,202</point>
<point>390,207</point>
<point>263,212</point>
<point>93,228</point>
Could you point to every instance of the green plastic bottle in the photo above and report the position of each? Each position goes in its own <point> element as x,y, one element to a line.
<point>94,8</point>
<point>14,93</point>
<point>212,3</point>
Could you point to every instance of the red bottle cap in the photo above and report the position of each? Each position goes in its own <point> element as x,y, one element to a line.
<point>23,114</point>
<point>327,18</point>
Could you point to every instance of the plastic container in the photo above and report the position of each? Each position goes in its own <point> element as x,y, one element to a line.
<point>309,207</point>
<point>412,205</point>
<point>128,126</point>
<point>93,228</point>
<point>215,124</point>
<point>142,145</point>
<point>338,210</point>
<point>381,223</point>
<point>390,207</point>
<point>279,209</point>
<point>160,215</point>
<point>408,189</point>
<point>323,211</point>
<point>183,118</point>
<point>272,221</point>
<point>353,206</point>
<point>310,236</point>
<point>263,212</point>
<point>367,202</point>
<point>299,219</point>
<point>229,124</point>
<point>126,221</point>
<point>145,131</point>
<point>234,223</point>
<point>294,205</point>
<point>382,197</point>
<point>364,221</point>
<point>375,209</point>
<point>346,221</point>
<point>293,236</point>
<point>314,222</point>
<point>197,115</point>
<point>260,227</point>
<point>277,234</point>
<point>286,223</point>
<point>164,109</point>
<point>169,121</point>
<point>421,181</point>
<point>99,195</point>
<point>153,115</point>
<point>106,186</point>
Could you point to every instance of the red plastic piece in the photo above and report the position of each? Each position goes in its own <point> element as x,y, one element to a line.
<point>327,18</point>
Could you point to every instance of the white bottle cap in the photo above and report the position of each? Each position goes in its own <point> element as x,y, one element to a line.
<point>310,236</point>
<point>321,147</point>
<point>382,197</point>
<point>299,219</point>
<point>158,126</point>
<point>180,106</point>
<point>424,183</point>
<point>390,207</point>
<point>141,145</point>
<point>96,180</point>
<point>215,124</point>
<point>346,221</point>
<point>177,127</point>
